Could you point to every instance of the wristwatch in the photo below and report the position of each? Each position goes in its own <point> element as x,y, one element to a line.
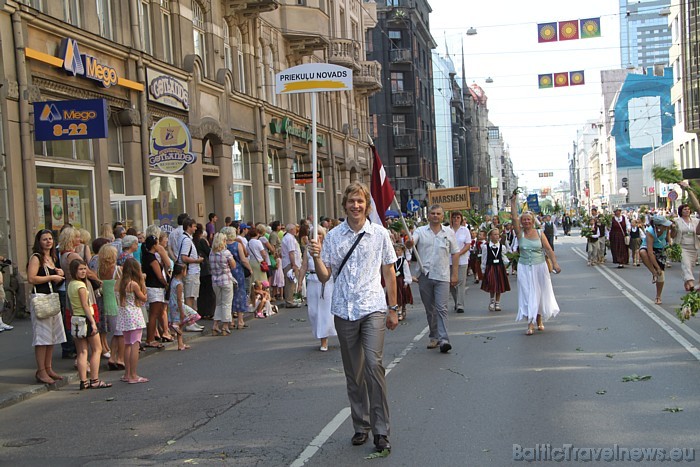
<point>394,308</point>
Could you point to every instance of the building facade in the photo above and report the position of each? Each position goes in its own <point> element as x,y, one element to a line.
<point>210,64</point>
<point>443,78</point>
<point>402,115</point>
<point>645,36</point>
<point>685,25</point>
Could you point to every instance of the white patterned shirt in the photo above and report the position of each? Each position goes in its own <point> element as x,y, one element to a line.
<point>435,251</point>
<point>357,290</point>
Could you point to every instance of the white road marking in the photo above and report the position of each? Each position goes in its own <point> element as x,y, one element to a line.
<point>340,418</point>
<point>623,286</point>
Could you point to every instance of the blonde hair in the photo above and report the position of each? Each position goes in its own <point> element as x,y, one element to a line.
<point>219,243</point>
<point>261,229</point>
<point>106,232</point>
<point>106,258</point>
<point>354,188</point>
<point>66,239</point>
<point>229,232</point>
<point>85,236</point>
<point>153,230</point>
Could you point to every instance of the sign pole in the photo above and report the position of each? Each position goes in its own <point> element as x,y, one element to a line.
<point>314,164</point>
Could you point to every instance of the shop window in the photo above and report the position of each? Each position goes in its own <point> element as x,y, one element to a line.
<point>241,161</point>
<point>104,18</point>
<point>114,143</point>
<point>79,149</point>
<point>167,31</point>
<point>65,195</point>
<point>145,25</point>
<point>275,196</point>
<point>116,181</point>
<point>208,153</point>
<point>167,199</point>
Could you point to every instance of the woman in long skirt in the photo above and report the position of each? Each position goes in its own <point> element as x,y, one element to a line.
<point>619,229</point>
<point>536,301</point>
<point>318,298</point>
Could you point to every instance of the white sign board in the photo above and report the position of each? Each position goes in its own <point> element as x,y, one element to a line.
<point>313,77</point>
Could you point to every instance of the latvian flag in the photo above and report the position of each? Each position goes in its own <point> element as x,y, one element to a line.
<point>380,189</point>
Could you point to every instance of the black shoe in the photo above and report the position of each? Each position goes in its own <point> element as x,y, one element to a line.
<point>459,310</point>
<point>359,439</point>
<point>381,443</point>
<point>445,347</point>
<point>68,355</point>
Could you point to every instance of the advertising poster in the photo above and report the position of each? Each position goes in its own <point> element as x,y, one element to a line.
<point>73,202</point>
<point>40,208</point>
<point>57,214</point>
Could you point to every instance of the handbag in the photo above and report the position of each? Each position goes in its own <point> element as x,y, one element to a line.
<point>627,240</point>
<point>264,267</point>
<point>78,327</point>
<point>45,305</point>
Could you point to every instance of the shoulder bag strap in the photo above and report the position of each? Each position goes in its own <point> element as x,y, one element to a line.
<point>46,271</point>
<point>352,248</point>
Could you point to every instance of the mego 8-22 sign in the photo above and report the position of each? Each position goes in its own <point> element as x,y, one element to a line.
<point>68,120</point>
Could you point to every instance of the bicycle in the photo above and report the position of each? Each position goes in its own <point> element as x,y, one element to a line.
<point>8,291</point>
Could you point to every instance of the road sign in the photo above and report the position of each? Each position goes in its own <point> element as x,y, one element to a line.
<point>303,178</point>
<point>413,205</point>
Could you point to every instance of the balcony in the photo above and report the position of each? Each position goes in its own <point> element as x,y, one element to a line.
<point>398,15</point>
<point>402,99</point>
<point>405,141</point>
<point>305,28</point>
<point>249,8</point>
<point>345,52</point>
<point>369,79</point>
<point>400,56</point>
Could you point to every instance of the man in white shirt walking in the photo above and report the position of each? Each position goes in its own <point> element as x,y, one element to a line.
<point>290,256</point>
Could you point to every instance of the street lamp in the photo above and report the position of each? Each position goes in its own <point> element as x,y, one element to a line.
<point>653,164</point>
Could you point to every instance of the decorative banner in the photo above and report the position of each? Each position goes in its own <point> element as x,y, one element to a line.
<point>545,81</point>
<point>533,203</point>
<point>57,214</point>
<point>576,78</point>
<point>561,79</point>
<point>73,202</point>
<point>40,208</point>
<point>313,77</point>
<point>568,30</point>
<point>170,145</point>
<point>590,28</point>
<point>547,32</point>
<point>450,199</point>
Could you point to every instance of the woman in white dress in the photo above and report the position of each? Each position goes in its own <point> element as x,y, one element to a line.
<point>536,301</point>
<point>318,297</point>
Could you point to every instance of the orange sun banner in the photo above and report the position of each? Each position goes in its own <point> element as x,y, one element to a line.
<point>561,79</point>
<point>568,30</point>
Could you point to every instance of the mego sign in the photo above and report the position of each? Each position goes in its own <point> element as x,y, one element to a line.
<point>85,65</point>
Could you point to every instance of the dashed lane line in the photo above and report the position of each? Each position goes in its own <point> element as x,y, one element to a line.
<point>340,418</point>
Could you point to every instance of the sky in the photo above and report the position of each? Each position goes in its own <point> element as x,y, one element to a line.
<point>538,125</point>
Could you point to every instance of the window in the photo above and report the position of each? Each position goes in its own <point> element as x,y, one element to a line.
<point>104,18</point>
<point>242,187</point>
<point>208,152</point>
<point>114,143</point>
<point>116,181</point>
<point>145,25</point>
<point>167,199</point>
<point>241,162</point>
<point>37,4</point>
<point>263,75</point>
<point>167,31</point>
<point>241,61</point>
<point>274,188</point>
<point>399,124</point>
<point>369,45</point>
<point>66,196</point>
<point>198,34</point>
<point>401,166</point>
<point>273,168</point>
<point>71,11</point>
<point>396,82</point>
<point>270,67</point>
<point>228,53</point>
<point>395,40</point>
<point>79,149</point>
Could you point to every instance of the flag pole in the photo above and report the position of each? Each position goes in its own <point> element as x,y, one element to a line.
<point>408,232</point>
<point>314,164</point>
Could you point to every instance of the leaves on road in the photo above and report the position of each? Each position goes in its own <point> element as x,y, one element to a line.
<point>377,455</point>
<point>579,349</point>
<point>609,355</point>
<point>601,392</point>
<point>635,378</point>
<point>673,409</point>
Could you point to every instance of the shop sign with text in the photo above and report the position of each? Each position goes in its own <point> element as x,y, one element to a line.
<point>168,90</point>
<point>67,120</point>
<point>286,128</point>
<point>87,66</point>
<point>170,145</point>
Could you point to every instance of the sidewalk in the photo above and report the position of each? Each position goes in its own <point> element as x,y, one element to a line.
<point>17,363</point>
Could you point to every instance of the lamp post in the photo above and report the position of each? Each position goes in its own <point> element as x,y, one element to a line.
<point>653,164</point>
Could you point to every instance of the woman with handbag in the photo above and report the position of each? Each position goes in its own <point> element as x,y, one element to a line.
<point>222,263</point>
<point>156,282</point>
<point>47,327</point>
<point>258,254</point>
<point>84,326</point>
<point>619,239</point>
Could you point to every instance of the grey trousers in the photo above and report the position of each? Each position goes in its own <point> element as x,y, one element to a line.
<point>362,346</point>
<point>460,290</point>
<point>435,295</point>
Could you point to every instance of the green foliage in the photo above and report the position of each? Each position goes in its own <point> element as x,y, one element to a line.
<point>690,304</point>
<point>673,252</point>
<point>674,175</point>
<point>474,218</point>
<point>605,219</point>
<point>557,207</point>
<point>586,232</point>
<point>397,225</point>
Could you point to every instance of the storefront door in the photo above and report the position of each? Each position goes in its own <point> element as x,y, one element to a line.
<point>131,210</point>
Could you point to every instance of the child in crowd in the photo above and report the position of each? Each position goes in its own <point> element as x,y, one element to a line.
<point>132,295</point>
<point>261,300</point>
<point>179,314</point>
<point>493,266</point>
<point>403,280</point>
<point>278,277</point>
<point>475,256</point>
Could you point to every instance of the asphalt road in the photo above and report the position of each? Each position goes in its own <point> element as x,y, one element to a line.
<point>266,396</point>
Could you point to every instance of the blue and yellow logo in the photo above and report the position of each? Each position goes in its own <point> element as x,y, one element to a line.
<point>77,64</point>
